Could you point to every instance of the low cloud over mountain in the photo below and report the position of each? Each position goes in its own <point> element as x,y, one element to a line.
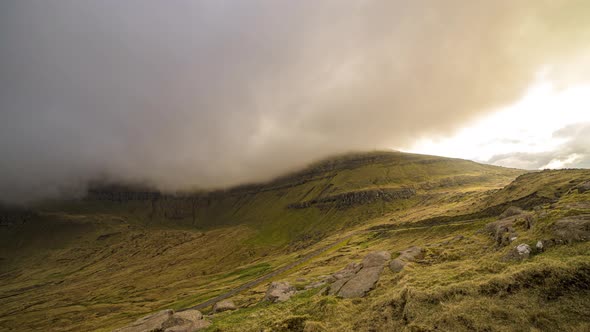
<point>209,94</point>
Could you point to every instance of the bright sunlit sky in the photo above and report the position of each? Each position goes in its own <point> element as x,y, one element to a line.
<point>514,135</point>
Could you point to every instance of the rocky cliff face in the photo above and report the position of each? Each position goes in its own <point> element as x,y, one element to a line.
<point>187,206</point>
<point>338,183</point>
<point>350,199</point>
<point>155,203</point>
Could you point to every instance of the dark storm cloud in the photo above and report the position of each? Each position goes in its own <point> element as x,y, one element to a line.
<point>574,152</point>
<point>214,93</point>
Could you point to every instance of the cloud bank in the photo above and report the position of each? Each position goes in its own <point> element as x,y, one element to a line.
<point>210,94</point>
<point>574,152</point>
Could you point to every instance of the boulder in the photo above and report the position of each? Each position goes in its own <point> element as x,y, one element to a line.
<point>523,250</point>
<point>224,305</point>
<point>376,259</point>
<point>179,328</point>
<point>543,245</point>
<point>520,252</point>
<point>409,255</point>
<point>397,265</point>
<point>501,231</point>
<point>365,276</point>
<point>279,291</point>
<point>361,283</point>
<point>341,277</point>
<point>194,326</point>
<point>583,187</point>
<point>168,321</point>
<point>316,284</point>
<point>540,246</point>
<point>349,271</point>
<point>529,220</point>
<point>200,324</point>
<point>192,315</point>
<point>148,323</point>
<point>572,229</point>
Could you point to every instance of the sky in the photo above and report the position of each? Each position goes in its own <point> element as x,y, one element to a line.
<point>547,128</point>
<point>209,94</point>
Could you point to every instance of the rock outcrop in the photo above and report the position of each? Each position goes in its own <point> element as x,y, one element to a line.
<point>349,199</point>
<point>523,250</point>
<point>168,321</point>
<point>279,291</point>
<point>502,231</point>
<point>520,252</point>
<point>540,246</point>
<point>317,284</point>
<point>356,280</point>
<point>583,187</point>
<point>567,230</point>
<point>572,229</point>
<point>348,272</point>
<point>225,305</point>
<point>408,255</point>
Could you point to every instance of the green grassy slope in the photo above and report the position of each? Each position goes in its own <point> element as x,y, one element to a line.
<point>265,207</point>
<point>464,282</point>
<point>99,263</point>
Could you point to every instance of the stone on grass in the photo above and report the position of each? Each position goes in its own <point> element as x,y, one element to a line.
<point>583,187</point>
<point>168,321</point>
<point>376,259</point>
<point>523,250</point>
<point>361,283</point>
<point>409,255</point>
<point>279,291</point>
<point>316,284</point>
<point>397,265</point>
<point>349,271</point>
<point>501,231</point>
<point>572,229</point>
<point>520,252</point>
<point>224,305</point>
<point>356,280</point>
<point>149,322</point>
<point>192,315</point>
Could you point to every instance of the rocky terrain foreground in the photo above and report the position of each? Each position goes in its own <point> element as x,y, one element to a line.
<point>367,242</point>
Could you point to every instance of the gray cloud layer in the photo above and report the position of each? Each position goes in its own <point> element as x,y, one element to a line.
<point>215,93</point>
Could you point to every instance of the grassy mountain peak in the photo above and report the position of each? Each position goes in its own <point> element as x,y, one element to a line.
<point>122,252</point>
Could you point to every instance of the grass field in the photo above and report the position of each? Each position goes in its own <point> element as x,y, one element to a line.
<point>98,264</point>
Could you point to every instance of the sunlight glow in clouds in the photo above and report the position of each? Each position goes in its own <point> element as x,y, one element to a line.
<point>527,126</point>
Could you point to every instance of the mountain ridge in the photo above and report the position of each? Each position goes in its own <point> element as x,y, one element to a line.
<point>100,262</point>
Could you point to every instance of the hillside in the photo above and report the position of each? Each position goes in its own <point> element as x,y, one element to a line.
<point>125,251</point>
<point>329,195</point>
